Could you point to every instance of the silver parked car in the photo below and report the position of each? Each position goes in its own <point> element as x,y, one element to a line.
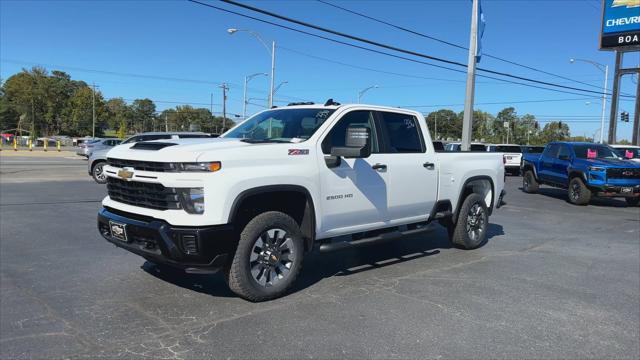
<point>85,149</point>
<point>98,158</point>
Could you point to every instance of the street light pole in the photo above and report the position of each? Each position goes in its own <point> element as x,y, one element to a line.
<point>93,109</point>
<point>244,97</point>
<point>272,53</point>
<point>605,69</point>
<point>361,92</point>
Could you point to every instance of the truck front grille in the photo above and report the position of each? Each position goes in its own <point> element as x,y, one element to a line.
<point>623,173</point>
<point>142,165</point>
<point>147,195</point>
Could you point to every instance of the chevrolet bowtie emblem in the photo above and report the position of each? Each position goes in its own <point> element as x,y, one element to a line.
<point>125,173</point>
<point>627,3</point>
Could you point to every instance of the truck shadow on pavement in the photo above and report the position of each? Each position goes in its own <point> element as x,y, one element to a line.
<point>318,266</point>
<point>561,194</point>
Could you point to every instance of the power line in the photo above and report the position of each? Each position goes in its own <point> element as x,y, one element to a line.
<point>498,102</point>
<point>135,75</point>
<point>373,50</point>
<point>386,46</point>
<point>451,44</point>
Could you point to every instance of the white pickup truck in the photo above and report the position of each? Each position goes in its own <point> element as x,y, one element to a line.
<point>290,180</point>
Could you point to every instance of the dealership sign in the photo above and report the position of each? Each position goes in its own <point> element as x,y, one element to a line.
<point>620,24</point>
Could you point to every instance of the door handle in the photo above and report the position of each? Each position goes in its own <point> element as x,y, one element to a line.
<point>429,166</point>
<point>379,167</point>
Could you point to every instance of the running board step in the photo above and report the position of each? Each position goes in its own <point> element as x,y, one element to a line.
<point>393,235</point>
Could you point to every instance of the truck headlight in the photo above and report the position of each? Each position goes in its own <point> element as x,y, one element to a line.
<point>192,200</point>
<point>212,166</point>
<point>596,168</point>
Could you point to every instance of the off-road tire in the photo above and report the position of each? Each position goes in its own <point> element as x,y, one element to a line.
<point>239,275</point>
<point>97,172</point>
<point>578,192</point>
<point>634,201</point>
<point>461,234</point>
<point>529,183</point>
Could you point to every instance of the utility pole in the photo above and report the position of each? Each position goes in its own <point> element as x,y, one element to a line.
<point>273,72</point>
<point>224,87</point>
<point>93,106</point>
<point>467,120</point>
<point>166,122</point>
<point>436,127</point>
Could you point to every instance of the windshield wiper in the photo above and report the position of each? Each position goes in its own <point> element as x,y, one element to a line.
<point>264,141</point>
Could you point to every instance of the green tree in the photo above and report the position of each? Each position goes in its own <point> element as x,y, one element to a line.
<point>555,131</point>
<point>143,113</point>
<point>79,113</point>
<point>117,112</point>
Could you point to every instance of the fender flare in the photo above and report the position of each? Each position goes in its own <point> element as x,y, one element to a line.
<point>307,228</point>
<point>463,189</point>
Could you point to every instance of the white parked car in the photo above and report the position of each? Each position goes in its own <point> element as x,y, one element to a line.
<point>512,155</point>
<point>290,180</point>
<point>630,152</point>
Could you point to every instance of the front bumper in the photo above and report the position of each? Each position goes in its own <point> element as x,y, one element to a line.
<point>203,249</point>
<point>616,191</point>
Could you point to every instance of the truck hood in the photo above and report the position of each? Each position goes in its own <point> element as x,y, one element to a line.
<point>609,163</point>
<point>177,150</point>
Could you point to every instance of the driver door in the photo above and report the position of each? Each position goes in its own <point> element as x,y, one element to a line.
<point>354,193</point>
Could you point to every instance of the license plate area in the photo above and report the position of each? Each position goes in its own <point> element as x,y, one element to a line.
<point>118,231</point>
<point>626,190</point>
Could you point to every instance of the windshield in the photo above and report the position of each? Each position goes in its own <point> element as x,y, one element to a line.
<point>533,149</point>
<point>508,148</point>
<point>594,152</point>
<point>628,153</point>
<point>281,125</point>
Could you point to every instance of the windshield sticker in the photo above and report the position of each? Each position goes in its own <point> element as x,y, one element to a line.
<point>323,115</point>
<point>298,152</point>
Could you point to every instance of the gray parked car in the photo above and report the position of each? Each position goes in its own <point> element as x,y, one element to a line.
<point>98,158</point>
<point>87,148</point>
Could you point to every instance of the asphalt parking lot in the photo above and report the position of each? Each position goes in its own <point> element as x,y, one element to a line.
<point>554,281</point>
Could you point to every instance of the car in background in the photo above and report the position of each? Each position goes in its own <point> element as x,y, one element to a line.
<point>438,145</point>
<point>511,155</point>
<point>83,148</point>
<point>585,170</point>
<point>532,149</point>
<point>103,144</point>
<point>98,158</point>
<point>475,147</point>
<point>630,152</point>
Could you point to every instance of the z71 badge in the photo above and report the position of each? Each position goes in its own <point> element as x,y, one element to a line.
<point>298,151</point>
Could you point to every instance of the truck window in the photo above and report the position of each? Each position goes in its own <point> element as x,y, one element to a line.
<point>551,151</point>
<point>402,133</point>
<point>508,149</point>
<point>337,135</point>
<point>564,151</point>
<point>281,125</point>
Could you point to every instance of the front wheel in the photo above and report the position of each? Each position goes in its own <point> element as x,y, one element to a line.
<point>529,183</point>
<point>268,258</point>
<point>634,201</point>
<point>98,173</point>
<point>579,193</point>
<point>471,228</point>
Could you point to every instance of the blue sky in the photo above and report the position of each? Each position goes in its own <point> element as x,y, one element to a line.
<point>189,43</point>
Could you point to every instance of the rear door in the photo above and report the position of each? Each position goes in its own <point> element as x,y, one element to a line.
<point>413,182</point>
<point>353,194</point>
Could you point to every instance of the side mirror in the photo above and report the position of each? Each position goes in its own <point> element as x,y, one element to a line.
<point>564,157</point>
<point>357,144</point>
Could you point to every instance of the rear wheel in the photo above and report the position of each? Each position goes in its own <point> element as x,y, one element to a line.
<point>98,173</point>
<point>471,228</point>
<point>579,193</point>
<point>632,201</point>
<point>268,258</point>
<point>529,183</point>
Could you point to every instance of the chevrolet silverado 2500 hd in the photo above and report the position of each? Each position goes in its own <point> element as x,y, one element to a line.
<point>290,180</point>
